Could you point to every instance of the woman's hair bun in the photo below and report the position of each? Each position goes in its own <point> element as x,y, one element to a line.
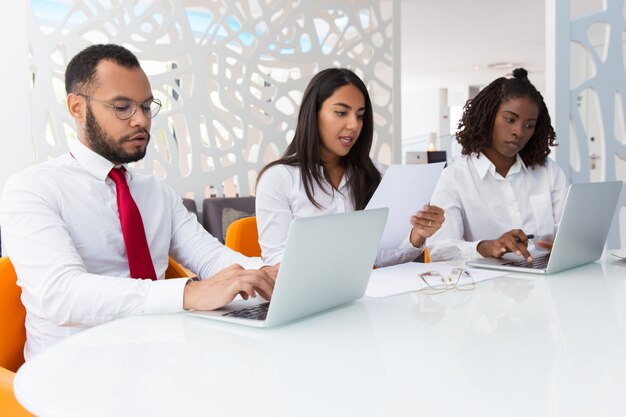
<point>520,74</point>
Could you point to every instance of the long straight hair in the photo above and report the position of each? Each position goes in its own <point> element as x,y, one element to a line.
<point>304,149</point>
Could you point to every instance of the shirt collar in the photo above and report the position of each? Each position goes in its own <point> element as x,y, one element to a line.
<point>483,165</point>
<point>92,162</point>
<point>518,166</point>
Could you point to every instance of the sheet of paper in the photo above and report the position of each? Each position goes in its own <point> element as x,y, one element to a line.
<point>403,278</point>
<point>405,189</point>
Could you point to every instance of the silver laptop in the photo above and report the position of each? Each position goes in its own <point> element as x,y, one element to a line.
<point>327,263</point>
<point>580,238</point>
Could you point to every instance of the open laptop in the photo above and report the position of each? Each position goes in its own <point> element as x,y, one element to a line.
<point>580,238</point>
<point>327,263</point>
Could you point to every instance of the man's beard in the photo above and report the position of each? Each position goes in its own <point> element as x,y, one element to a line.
<point>107,147</point>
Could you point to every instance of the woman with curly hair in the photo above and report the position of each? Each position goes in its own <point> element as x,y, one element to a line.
<point>505,187</point>
<point>327,169</point>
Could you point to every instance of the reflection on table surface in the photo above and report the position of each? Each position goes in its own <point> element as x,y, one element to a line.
<point>515,346</point>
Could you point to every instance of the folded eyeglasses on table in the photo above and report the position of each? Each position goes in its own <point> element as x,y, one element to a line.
<point>458,278</point>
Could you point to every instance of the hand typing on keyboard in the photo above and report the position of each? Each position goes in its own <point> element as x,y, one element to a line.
<point>515,241</point>
<point>221,288</point>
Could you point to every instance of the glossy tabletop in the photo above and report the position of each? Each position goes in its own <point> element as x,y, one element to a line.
<point>515,346</point>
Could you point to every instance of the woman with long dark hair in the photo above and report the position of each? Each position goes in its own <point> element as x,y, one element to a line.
<point>327,168</point>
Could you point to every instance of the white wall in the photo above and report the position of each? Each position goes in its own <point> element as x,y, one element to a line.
<point>425,120</point>
<point>420,112</point>
<point>424,113</point>
<point>16,144</point>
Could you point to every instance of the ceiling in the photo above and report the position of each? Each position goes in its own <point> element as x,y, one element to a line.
<point>448,43</point>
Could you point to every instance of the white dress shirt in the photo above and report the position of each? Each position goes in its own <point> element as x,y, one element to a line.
<point>281,198</point>
<point>481,204</point>
<point>61,229</point>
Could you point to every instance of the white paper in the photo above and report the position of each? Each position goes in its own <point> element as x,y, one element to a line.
<point>405,189</point>
<point>620,253</point>
<point>403,278</point>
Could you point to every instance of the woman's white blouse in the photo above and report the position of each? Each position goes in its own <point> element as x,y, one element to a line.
<point>281,198</point>
<point>481,204</point>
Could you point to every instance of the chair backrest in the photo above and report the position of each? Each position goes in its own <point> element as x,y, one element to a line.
<point>12,316</point>
<point>242,236</point>
<point>8,403</point>
<point>190,205</point>
<point>175,270</point>
<point>219,212</point>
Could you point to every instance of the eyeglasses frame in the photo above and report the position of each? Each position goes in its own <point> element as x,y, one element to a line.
<point>134,108</point>
<point>448,282</point>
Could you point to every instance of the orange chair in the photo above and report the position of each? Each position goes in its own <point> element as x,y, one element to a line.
<point>426,256</point>
<point>12,316</point>
<point>175,270</point>
<point>242,236</point>
<point>9,406</point>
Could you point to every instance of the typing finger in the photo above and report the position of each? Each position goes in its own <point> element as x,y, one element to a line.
<point>260,281</point>
<point>513,244</point>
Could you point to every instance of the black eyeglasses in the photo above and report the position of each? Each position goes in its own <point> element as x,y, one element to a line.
<point>125,109</point>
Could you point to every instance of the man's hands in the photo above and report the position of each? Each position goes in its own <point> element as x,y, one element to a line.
<point>223,287</point>
<point>272,271</point>
<point>425,223</point>
<point>514,241</point>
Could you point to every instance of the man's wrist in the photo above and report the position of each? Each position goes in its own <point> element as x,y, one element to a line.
<point>188,293</point>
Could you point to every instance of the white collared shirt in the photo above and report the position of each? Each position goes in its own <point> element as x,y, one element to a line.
<point>281,198</point>
<point>480,204</point>
<point>61,229</point>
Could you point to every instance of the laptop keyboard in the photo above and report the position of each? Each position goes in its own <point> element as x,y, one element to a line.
<point>258,312</point>
<point>540,262</point>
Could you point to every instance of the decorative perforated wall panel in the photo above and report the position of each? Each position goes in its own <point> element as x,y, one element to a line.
<point>596,149</point>
<point>230,74</point>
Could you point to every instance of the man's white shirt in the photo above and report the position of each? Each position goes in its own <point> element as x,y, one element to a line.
<point>61,229</point>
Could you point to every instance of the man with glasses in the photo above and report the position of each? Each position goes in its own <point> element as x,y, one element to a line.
<point>78,228</point>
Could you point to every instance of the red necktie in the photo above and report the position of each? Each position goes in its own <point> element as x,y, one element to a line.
<point>139,260</point>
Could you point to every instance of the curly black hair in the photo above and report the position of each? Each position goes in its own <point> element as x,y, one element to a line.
<point>475,129</point>
<point>81,70</point>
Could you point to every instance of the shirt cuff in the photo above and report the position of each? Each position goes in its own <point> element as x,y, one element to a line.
<point>470,251</point>
<point>166,296</point>
<point>253,263</point>
<point>406,244</point>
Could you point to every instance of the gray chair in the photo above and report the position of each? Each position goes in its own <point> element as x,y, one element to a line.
<point>219,212</point>
<point>190,205</point>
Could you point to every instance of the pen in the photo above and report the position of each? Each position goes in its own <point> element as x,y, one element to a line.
<point>530,236</point>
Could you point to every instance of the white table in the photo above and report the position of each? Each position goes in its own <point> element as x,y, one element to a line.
<point>515,346</point>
